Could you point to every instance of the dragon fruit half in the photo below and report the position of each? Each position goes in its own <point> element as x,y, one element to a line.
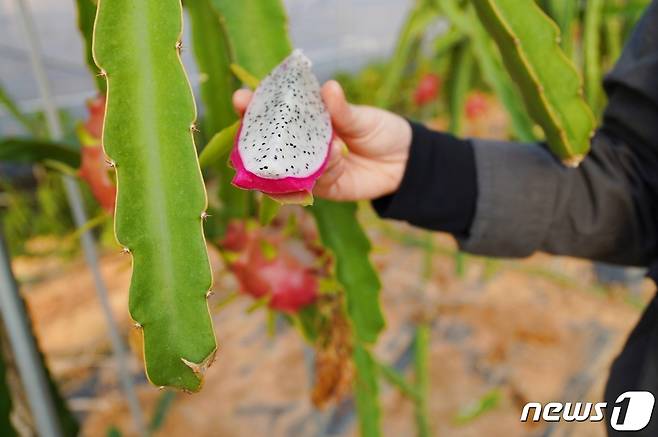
<point>283,143</point>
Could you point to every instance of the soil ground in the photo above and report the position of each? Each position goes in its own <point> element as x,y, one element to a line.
<point>533,330</point>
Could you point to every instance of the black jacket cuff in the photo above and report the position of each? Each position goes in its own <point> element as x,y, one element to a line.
<point>439,187</point>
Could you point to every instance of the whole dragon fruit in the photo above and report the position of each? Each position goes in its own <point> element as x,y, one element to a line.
<point>284,139</point>
<point>428,89</point>
<point>476,105</point>
<point>266,267</point>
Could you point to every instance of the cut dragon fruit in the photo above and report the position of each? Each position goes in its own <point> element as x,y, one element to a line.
<point>284,140</point>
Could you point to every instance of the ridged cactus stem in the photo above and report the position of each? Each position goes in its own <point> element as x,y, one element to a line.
<point>161,198</point>
<point>552,89</point>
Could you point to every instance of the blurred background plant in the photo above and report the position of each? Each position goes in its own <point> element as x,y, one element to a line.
<point>443,69</point>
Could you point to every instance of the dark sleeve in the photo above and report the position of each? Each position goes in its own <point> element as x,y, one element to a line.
<point>438,189</point>
<point>603,210</point>
<point>526,201</point>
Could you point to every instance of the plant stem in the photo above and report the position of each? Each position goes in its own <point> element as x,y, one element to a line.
<point>591,37</point>
<point>461,78</point>
<point>397,380</point>
<point>421,374</point>
<point>420,17</point>
<point>613,36</point>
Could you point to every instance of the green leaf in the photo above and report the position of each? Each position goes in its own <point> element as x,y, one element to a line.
<point>113,431</point>
<point>91,224</point>
<point>486,403</point>
<point>258,304</point>
<point>340,232</point>
<point>491,67</point>
<point>397,380</point>
<point>564,12</point>
<point>419,19</point>
<point>551,87</point>
<point>244,76</point>
<point>268,250</point>
<point>366,392</point>
<point>31,150</point>
<point>628,9</point>
<point>218,148</point>
<point>162,408</point>
<point>258,31</point>
<point>306,320</point>
<point>212,53</point>
<point>421,376</point>
<point>161,196</point>
<point>445,42</point>
<point>86,16</point>
<point>592,50</point>
<point>459,84</point>
<point>258,35</point>
<point>303,198</point>
<point>235,202</point>
<point>267,210</point>
<point>494,74</point>
<point>614,39</point>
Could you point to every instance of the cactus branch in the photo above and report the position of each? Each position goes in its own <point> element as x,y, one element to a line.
<point>551,87</point>
<point>161,195</point>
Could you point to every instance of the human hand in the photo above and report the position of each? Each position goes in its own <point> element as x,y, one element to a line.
<point>378,142</point>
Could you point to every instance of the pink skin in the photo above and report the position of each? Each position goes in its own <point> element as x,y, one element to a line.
<point>249,181</point>
<point>288,283</point>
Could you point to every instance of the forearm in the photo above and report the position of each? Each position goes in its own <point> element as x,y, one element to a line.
<point>506,199</point>
<point>529,202</point>
<point>439,189</point>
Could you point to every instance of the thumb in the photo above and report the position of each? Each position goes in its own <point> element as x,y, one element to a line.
<point>347,119</point>
<point>241,99</point>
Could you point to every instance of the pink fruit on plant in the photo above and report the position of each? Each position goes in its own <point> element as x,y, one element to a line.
<point>93,168</point>
<point>265,267</point>
<point>289,284</point>
<point>284,138</point>
<point>476,105</point>
<point>236,237</point>
<point>94,124</point>
<point>428,89</point>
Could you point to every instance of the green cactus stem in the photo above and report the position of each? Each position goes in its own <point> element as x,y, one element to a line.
<point>161,199</point>
<point>341,232</point>
<point>529,42</point>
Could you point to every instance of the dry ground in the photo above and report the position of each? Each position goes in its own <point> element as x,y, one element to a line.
<point>538,330</point>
